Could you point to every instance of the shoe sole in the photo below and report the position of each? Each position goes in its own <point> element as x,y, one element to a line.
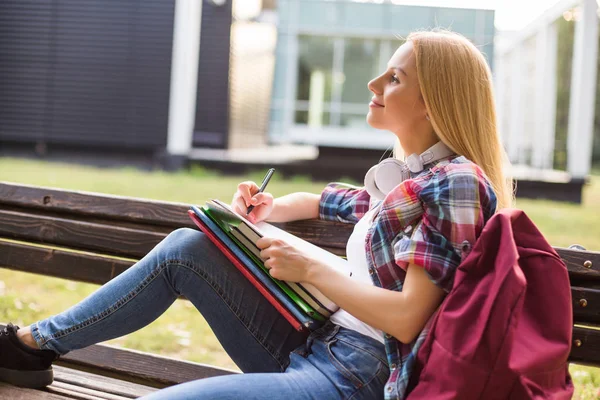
<point>28,379</point>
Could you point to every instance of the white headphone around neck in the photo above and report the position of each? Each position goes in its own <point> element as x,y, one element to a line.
<point>385,176</point>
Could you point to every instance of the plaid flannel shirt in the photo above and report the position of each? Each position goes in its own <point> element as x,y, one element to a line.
<point>430,220</point>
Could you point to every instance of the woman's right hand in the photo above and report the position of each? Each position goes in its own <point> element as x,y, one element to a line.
<point>247,195</point>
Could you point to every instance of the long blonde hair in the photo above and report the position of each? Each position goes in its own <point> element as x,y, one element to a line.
<point>456,85</point>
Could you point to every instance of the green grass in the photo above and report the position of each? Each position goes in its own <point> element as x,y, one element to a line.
<point>182,332</point>
<point>565,224</point>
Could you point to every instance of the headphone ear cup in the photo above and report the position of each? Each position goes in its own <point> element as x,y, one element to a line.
<point>371,186</point>
<point>389,174</point>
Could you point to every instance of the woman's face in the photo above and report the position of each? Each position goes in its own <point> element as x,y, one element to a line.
<point>397,104</point>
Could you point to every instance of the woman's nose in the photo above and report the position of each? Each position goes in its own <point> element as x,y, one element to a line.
<point>373,86</point>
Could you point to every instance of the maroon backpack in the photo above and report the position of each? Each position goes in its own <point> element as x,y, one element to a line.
<point>504,330</point>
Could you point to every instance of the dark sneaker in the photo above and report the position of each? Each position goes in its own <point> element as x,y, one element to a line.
<point>20,365</point>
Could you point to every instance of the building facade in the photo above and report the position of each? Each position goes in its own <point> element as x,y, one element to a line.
<point>327,51</point>
<point>119,78</point>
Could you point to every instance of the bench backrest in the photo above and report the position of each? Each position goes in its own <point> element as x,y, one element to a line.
<point>92,238</point>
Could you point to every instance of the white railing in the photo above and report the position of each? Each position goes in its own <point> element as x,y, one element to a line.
<point>525,75</point>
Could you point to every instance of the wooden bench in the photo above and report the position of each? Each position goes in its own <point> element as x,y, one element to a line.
<point>92,238</point>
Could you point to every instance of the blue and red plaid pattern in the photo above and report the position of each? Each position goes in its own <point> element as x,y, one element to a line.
<point>430,220</point>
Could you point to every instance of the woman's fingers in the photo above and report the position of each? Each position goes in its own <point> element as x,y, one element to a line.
<point>246,190</point>
<point>242,197</point>
<point>247,195</point>
<point>263,205</point>
<point>269,263</point>
<point>262,198</point>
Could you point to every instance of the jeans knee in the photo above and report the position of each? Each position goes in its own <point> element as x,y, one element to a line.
<point>182,234</point>
<point>182,251</point>
<point>184,239</point>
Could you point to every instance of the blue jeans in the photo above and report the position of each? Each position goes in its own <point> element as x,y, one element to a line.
<point>277,361</point>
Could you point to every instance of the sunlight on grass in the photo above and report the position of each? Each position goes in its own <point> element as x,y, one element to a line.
<point>566,224</point>
<point>194,186</point>
<point>182,332</point>
<point>586,381</point>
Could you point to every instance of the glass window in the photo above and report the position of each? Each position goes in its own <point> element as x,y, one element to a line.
<point>355,121</point>
<point>314,120</point>
<point>315,68</point>
<point>361,64</point>
<point>326,97</point>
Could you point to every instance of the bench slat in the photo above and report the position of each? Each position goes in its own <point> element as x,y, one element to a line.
<point>586,304</point>
<point>83,267</point>
<point>576,261</point>
<point>106,237</point>
<point>586,346</point>
<point>100,383</point>
<point>72,205</point>
<point>93,204</point>
<point>128,362</point>
<point>329,234</point>
<point>79,393</point>
<point>17,393</point>
<point>138,367</point>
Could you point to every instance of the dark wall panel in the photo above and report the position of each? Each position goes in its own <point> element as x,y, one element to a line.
<point>91,72</point>
<point>212,104</point>
<point>25,65</point>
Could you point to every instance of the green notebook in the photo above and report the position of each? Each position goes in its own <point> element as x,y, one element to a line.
<point>245,231</point>
<point>227,223</point>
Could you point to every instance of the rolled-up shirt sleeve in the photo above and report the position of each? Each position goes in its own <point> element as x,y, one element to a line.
<point>344,203</point>
<point>453,218</point>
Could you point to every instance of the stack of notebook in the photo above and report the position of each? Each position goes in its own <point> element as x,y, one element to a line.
<point>302,304</point>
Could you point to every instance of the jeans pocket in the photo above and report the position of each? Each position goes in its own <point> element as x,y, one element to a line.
<point>358,365</point>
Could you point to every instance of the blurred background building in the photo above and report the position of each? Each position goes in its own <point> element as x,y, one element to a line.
<point>546,89</point>
<point>328,51</point>
<point>94,80</point>
<point>238,84</point>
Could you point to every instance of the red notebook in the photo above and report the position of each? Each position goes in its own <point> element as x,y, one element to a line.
<point>240,266</point>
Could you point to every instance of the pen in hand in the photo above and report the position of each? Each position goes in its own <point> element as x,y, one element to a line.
<point>262,187</point>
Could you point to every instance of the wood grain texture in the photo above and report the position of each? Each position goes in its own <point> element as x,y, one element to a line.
<point>107,238</point>
<point>66,205</point>
<point>586,345</point>
<point>137,225</point>
<point>100,383</point>
<point>84,267</point>
<point>576,261</point>
<point>93,204</point>
<point>586,304</point>
<point>135,366</point>
<point>82,393</point>
<point>9,392</point>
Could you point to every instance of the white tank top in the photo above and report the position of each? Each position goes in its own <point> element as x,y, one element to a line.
<point>357,260</point>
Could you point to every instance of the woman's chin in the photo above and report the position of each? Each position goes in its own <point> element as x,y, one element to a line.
<point>372,121</point>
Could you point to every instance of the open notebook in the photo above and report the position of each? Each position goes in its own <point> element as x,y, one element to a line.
<point>244,235</point>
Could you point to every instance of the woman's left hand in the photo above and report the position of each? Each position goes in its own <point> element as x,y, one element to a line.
<point>284,261</point>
